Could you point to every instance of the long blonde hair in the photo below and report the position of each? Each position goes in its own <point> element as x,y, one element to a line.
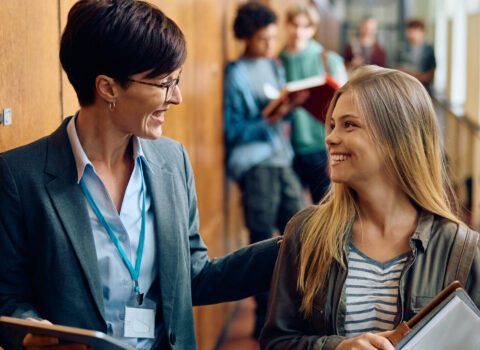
<point>402,123</point>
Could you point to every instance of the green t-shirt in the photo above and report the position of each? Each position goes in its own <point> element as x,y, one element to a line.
<point>308,134</point>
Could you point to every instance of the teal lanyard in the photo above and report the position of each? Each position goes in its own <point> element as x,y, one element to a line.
<point>134,272</point>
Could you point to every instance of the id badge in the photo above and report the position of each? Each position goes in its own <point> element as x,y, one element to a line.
<point>139,321</point>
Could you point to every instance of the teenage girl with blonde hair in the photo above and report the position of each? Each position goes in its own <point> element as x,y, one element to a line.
<point>376,249</point>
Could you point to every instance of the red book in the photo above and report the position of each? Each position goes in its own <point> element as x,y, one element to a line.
<point>320,92</point>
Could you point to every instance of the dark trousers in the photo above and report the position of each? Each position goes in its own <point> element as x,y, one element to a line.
<point>313,172</point>
<point>270,197</point>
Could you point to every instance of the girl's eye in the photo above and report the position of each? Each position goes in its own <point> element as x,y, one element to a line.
<point>332,126</point>
<point>348,125</point>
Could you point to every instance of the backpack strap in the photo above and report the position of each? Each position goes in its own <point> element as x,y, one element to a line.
<point>461,255</point>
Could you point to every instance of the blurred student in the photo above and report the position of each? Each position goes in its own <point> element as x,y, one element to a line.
<point>259,153</point>
<point>99,223</point>
<point>417,57</point>
<point>365,49</point>
<point>303,57</point>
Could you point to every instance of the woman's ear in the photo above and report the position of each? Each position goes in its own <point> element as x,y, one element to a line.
<point>105,88</point>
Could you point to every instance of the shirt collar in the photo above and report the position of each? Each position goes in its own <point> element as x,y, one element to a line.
<point>81,158</point>
<point>424,228</point>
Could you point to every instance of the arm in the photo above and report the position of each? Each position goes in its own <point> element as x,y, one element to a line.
<point>15,288</point>
<point>243,122</point>
<point>286,327</point>
<point>243,273</point>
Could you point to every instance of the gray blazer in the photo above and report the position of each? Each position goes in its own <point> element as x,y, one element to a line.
<point>48,263</point>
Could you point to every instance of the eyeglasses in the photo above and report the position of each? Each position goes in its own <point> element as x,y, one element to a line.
<point>169,85</point>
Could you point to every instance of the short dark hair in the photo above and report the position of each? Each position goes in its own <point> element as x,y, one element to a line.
<point>251,17</point>
<point>415,24</point>
<point>118,38</point>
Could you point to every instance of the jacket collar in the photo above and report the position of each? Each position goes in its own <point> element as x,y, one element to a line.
<point>424,229</point>
<point>69,202</point>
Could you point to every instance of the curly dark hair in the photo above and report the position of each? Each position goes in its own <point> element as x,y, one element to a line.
<point>251,17</point>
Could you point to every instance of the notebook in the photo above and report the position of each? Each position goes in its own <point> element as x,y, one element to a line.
<point>96,340</point>
<point>320,88</point>
<point>450,321</point>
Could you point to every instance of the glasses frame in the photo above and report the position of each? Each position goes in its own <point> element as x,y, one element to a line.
<point>170,85</point>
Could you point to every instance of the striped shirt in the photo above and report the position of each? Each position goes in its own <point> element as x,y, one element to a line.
<point>371,291</point>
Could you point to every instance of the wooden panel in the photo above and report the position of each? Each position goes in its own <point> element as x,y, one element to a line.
<point>472,110</point>
<point>473,68</point>
<point>69,97</point>
<point>475,218</point>
<point>233,48</point>
<point>198,123</point>
<point>451,144</point>
<point>448,86</point>
<point>179,119</point>
<point>30,77</point>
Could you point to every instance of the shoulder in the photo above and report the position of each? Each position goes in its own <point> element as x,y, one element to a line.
<point>294,228</point>
<point>164,151</point>
<point>314,47</point>
<point>235,66</point>
<point>26,159</point>
<point>26,152</point>
<point>378,47</point>
<point>444,230</point>
<point>428,47</point>
<point>335,57</point>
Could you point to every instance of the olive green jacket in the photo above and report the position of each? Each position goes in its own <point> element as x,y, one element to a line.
<point>422,279</point>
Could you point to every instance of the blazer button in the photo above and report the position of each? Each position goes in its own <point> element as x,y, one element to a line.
<point>172,338</point>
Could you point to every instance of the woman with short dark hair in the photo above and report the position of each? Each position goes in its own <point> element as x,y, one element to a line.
<point>99,220</point>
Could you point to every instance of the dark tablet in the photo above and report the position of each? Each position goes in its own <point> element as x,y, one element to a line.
<point>94,339</point>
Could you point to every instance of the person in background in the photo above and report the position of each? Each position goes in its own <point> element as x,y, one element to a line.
<point>417,57</point>
<point>259,153</point>
<point>365,49</point>
<point>303,57</point>
<point>99,220</point>
<point>374,252</point>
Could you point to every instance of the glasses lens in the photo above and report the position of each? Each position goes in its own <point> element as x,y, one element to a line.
<point>171,88</point>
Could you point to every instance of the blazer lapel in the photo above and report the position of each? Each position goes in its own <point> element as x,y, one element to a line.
<point>69,203</point>
<point>161,186</point>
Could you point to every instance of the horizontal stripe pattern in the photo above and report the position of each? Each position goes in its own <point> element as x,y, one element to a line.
<point>371,291</point>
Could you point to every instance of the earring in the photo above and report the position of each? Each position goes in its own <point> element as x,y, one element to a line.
<point>111,106</point>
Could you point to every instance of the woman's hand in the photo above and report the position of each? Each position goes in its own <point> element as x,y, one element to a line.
<point>367,341</point>
<point>33,342</point>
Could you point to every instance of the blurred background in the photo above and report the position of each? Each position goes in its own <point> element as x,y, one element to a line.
<point>35,96</point>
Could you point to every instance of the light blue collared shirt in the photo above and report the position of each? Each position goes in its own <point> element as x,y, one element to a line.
<point>117,283</point>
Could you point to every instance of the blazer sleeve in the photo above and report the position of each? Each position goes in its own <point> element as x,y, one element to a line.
<point>286,327</point>
<point>243,273</point>
<point>14,272</point>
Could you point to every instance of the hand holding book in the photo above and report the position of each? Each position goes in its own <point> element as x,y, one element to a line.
<point>288,103</point>
<point>314,94</point>
<point>449,321</point>
<point>39,341</point>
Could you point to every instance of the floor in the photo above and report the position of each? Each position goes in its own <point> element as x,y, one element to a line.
<point>238,335</point>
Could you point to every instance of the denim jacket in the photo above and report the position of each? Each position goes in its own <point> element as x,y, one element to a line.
<point>421,280</point>
<point>249,138</point>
